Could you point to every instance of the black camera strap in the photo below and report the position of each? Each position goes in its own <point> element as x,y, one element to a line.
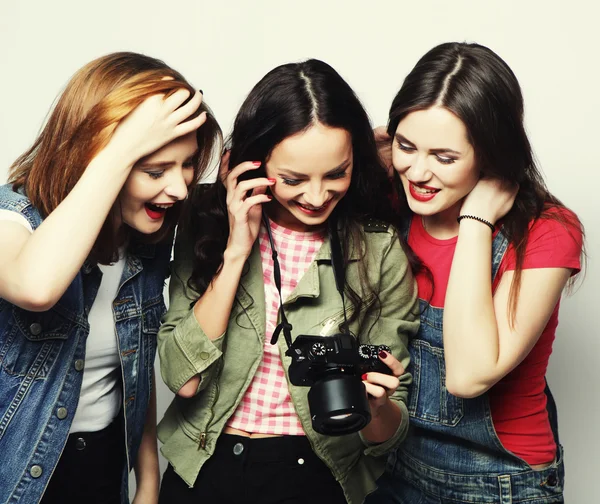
<point>339,274</point>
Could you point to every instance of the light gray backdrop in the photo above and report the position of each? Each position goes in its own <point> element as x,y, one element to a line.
<point>224,47</point>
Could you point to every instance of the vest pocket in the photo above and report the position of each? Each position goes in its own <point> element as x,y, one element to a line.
<point>429,400</point>
<point>33,342</point>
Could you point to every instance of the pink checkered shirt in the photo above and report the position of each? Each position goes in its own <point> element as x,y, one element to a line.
<point>267,407</point>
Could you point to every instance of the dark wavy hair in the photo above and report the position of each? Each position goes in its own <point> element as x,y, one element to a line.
<point>477,86</point>
<point>289,100</point>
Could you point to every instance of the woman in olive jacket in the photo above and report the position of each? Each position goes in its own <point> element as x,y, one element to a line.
<point>304,157</point>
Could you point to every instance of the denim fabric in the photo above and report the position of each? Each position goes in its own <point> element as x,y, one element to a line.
<point>41,363</point>
<point>452,453</point>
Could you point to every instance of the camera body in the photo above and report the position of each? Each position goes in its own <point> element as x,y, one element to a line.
<point>332,366</point>
<point>315,357</point>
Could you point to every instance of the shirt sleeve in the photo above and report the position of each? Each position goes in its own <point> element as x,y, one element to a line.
<point>396,323</point>
<point>9,215</point>
<point>184,349</point>
<point>555,241</point>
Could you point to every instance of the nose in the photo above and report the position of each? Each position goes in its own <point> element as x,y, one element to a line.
<point>419,170</point>
<point>315,195</point>
<point>176,187</point>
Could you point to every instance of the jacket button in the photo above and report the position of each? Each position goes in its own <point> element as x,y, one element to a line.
<point>35,328</point>
<point>79,364</point>
<point>35,471</point>
<point>61,413</point>
<point>552,480</point>
<point>204,355</point>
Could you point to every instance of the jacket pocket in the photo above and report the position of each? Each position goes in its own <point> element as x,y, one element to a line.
<point>33,342</point>
<point>429,400</point>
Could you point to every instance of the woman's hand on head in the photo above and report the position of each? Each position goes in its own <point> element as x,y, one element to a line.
<point>154,123</point>
<point>244,204</point>
<point>381,386</point>
<point>491,199</point>
<point>384,148</point>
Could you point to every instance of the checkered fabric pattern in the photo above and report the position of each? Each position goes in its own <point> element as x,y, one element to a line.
<point>267,407</point>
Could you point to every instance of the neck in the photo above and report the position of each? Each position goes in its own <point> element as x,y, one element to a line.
<point>443,225</point>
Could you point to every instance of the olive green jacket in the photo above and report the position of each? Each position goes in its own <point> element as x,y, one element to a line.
<point>191,427</point>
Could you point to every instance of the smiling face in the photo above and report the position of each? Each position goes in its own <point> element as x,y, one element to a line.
<point>313,170</point>
<point>436,162</point>
<point>156,183</point>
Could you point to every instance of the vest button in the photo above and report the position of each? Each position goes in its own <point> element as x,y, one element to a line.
<point>204,355</point>
<point>35,328</point>
<point>61,413</point>
<point>79,364</point>
<point>35,471</point>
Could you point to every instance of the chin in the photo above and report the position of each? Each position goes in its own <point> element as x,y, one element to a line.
<point>308,222</point>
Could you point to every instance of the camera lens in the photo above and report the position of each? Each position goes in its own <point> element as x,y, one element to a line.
<point>339,405</point>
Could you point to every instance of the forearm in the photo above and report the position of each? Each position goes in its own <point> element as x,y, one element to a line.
<point>471,342</point>
<point>54,253</point>
<point>146,469</point>
<point>213,309</point>
<point>384,423</point>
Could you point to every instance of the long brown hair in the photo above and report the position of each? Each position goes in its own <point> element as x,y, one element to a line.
<point>81,124</point>
<point>477,86</point>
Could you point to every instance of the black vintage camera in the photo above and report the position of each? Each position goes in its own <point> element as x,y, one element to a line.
<point>332,366</point>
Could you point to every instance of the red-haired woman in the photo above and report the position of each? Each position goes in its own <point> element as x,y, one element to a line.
<point>86,226</point>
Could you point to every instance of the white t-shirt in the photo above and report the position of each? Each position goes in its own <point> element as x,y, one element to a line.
<point>100,397</point>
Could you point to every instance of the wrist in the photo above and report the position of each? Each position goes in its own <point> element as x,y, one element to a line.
<point>475,218</point>
<point>110,158</point>
<point>234,255</point>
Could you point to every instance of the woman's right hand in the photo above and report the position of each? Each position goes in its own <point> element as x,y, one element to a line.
<point>157,121</point>
<point>244,209</point>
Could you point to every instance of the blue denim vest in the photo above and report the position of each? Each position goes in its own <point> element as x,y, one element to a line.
<point>42,356</point>
<point>452,453</point>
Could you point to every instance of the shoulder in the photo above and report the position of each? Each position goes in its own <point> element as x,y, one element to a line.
<point>13,200</point>
<point>558,226</point>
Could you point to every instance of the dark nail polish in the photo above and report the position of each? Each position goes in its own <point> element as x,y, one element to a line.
<point>201,92</point>
<point>382,354</point>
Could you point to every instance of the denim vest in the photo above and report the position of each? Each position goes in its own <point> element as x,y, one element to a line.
<point>452,452</point>
<point>42,357</point>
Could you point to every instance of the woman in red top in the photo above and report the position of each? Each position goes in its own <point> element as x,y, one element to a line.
<point>497,250</point>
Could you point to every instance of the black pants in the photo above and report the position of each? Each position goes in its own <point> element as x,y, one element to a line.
<point>90,468</point>
<point>258,470</point>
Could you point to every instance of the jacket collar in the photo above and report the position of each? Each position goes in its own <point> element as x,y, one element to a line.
<point>251,289</point>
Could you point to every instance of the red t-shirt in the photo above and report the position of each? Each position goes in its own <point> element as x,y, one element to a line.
<point>518,402</point>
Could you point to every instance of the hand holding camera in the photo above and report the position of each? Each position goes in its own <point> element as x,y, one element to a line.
<point>339,370</point>
<point>381,385</point>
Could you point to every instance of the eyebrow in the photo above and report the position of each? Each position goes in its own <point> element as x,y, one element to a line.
<point>163,164</point>
<point>402,139</point>
<point>337,169</point>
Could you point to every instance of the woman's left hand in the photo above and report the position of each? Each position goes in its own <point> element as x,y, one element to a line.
<point>491,199</point>
<point>381,386</point>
